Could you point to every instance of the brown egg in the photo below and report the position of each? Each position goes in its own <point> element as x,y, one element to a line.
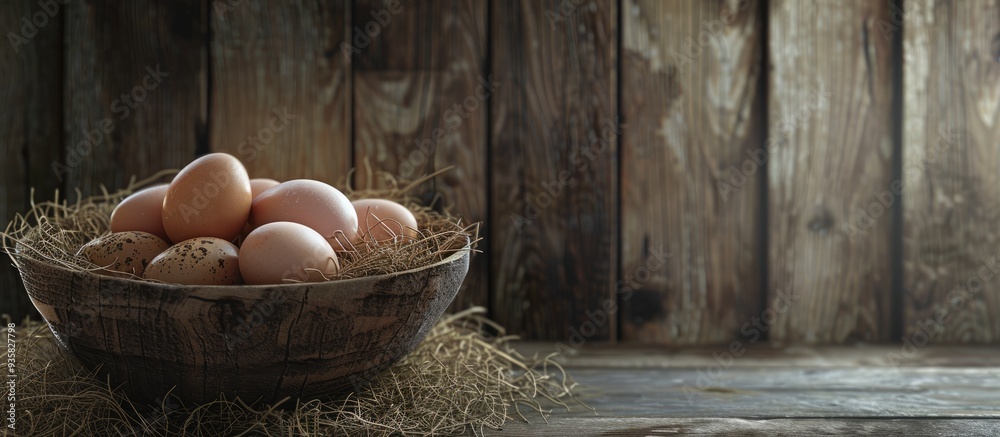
<point>383,220</point>
<point>282,252</point>
<point>123,253</point>
<point>260,185</point>
<point>209,198</point>
<point>257,186</point>
<point>198,261</point>
<point>142,211</point>
<point>311,203</point>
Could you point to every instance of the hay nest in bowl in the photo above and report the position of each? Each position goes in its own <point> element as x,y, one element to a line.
<point>54,231</point>
<point>459,379</point>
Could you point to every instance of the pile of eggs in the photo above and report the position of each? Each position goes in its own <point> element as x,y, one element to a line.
<point>213,225</point>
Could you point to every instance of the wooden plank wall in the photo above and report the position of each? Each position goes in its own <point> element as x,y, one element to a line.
<point>830,155</point>
<point>30,122</point>
<point>281,97</point>
<point>691,100</point>
<point>950,159</point>
<point>420,106</point>
<point>553,199</point>
<point>135,81</point>
<point>668,172</point>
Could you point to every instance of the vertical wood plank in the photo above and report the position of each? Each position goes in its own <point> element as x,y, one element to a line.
<point>829,110</point>
<point>950,160</point>
<point>280,92</point>
<point>30,123</point>
<point>421,102</point>
<point>427,35</point>
<point>135,95</point>
<point>554,183</point>
<point>691,169</point>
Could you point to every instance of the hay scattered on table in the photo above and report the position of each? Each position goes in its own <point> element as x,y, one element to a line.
<point>458,379</point>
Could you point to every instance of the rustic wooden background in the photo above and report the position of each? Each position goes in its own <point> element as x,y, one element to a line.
<point>815,171</point>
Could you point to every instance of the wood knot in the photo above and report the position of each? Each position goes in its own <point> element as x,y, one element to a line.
<point>821,222</point>
<point>644,305</point>
<point>995,48</point>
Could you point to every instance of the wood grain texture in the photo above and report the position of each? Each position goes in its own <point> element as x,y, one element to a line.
<point>644,426</point>
<point>769,355</point>
<point>433,35</point>
<point>281,89</point>
<point>766,390</point>
<point>691,179</point>
<point>135,83</point>
<point>421,102</point>
<point>829,141</point>
<point>746,392</point>
<point>30,123</point>
<point>554,163</point>
<point>950,159</point>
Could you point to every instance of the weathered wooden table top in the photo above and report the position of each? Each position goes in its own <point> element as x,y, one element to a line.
<point>846,390</point>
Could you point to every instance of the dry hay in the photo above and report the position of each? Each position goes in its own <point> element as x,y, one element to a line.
<point>54,232</point>
<point>459,379</point>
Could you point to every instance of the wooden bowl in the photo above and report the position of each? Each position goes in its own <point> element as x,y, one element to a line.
<point>261,343</point>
